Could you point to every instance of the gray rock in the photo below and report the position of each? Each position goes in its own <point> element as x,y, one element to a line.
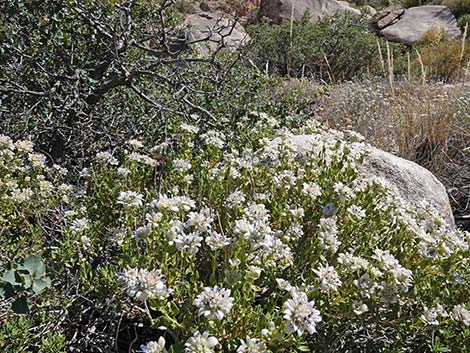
<point>368,10</point>
<point>347,7</point>
<point>416,21</point>
<point>389,18</point>
<point>206,30</point>
<point>281,10</point>
<point>413,182</point>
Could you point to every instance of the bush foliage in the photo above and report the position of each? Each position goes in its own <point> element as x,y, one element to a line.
<point>334,49</point>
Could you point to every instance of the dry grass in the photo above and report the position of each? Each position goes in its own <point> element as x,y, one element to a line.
<point>429,124</point>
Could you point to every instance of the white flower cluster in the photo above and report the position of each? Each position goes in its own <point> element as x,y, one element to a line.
<point>214,303</point>
<point>300,314</point>
<point>143,284</point>
<point>201,343</point>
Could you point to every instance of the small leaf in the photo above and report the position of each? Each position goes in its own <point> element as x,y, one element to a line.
<point>40,284</point>
<point>20,305</point>
<point>177,348</point>
<point>10,277</point>
<point>34,265</point>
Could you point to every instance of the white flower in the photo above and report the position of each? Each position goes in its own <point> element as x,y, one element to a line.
<point>189,243</point>
<point>312,190</point>
<point>214,303</point>
<point>135,144</point>
<point>356,211</point>
<point>300,314</point>
<point>251,345</point>
<point>461,314</point>
<point>181,165</point>
<point>124,172</point>
<point>366,286</point>
<point>154,347</point>
<point>217,241</point>
<point>214,138</point>
<point>38,161</point>
<point>142,232</point>
<point>153,219</point>
<point>329,279</point>
<point>79,225</point>
<point>328,234</point>
<point>86,242</point>
<point>189,128</point>
<point>359,307</point>
<point>201,221</point>
<point>429,316</point>
<point>201,343</point>
<point>351,262</point>
<point>283,284</point>
<point>106,157</point>
<point>143,284</point>
<point>297,212</point>
<point>130,199</point>
<point>235,199</point>
<point>441,310</point>
<point>24,146</point>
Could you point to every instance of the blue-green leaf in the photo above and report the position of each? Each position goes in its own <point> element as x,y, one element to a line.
<point>40,284</point>
<point>35,266</point>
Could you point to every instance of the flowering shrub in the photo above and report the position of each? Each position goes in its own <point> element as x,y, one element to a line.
<point>272,247</point>
<point>29,193</point>
<point>251,243</point>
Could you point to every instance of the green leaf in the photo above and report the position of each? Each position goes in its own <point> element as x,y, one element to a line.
<point>35,266</point>
<point>177,348</point>
<point>20,305</point>
<point>40,284</point>
<point>10,277</point>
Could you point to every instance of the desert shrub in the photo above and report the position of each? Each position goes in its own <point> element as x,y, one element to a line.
<point>232,240</point>
<point>185,7</point>
<point>412,3</point>
<point>79,95</point>
<point>30,192</point>
<point>458,7</point>
<point>334,49</point>
<point>443,60</point>
<point>462,22</point>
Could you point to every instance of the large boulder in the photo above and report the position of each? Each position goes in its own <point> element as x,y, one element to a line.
<point>282,10</point>
<point>414,183</point>
<point>207,29</point>
<point>408,26</point>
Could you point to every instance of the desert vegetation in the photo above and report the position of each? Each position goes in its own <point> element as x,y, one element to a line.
<point>156,198</point>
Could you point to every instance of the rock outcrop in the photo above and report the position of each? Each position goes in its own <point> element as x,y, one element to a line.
<point>281,10</point>
<point>414,183</point>
<point>408,26</point>
<point>208,29</point>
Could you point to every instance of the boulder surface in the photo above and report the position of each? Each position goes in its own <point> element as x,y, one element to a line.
<point>206,30</point>
<point>282,10</point>
<point>408,26</point>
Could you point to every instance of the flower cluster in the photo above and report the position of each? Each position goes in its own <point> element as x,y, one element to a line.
<point>214,303</point>
<point>143,284</point>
